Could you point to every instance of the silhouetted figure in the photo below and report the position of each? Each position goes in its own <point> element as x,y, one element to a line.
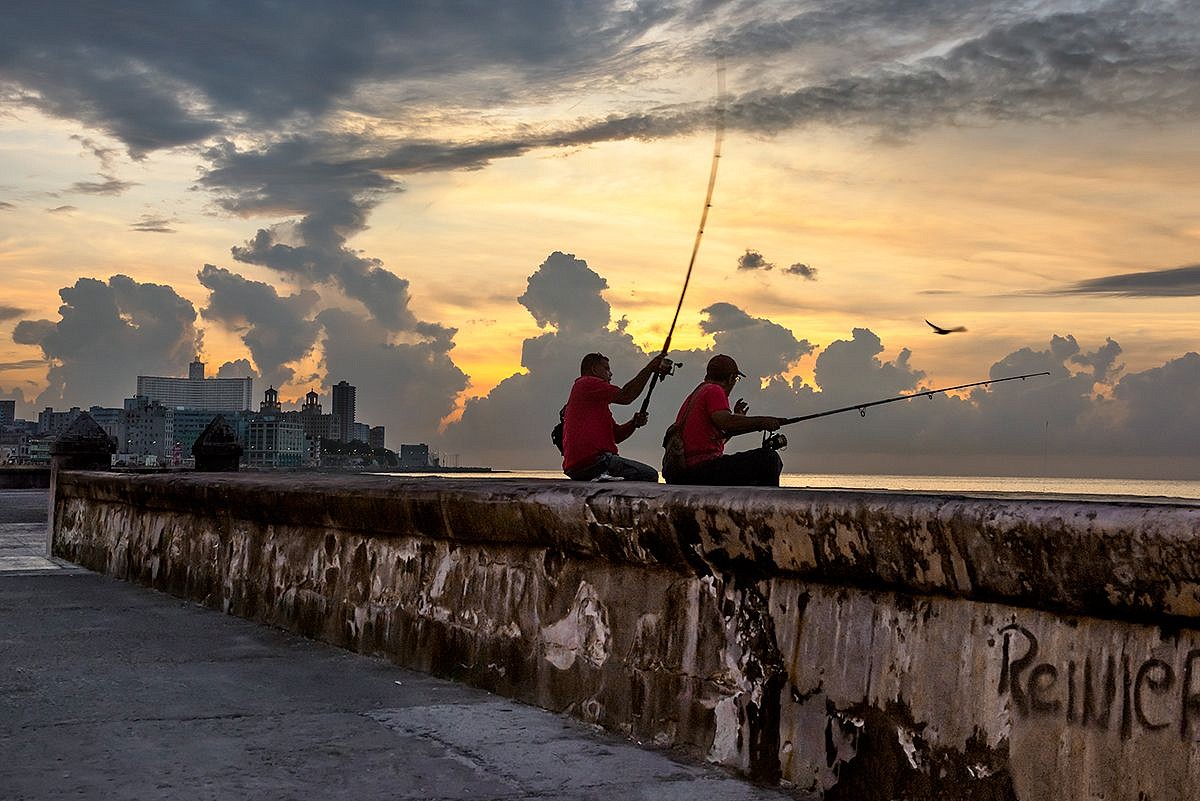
<point>705,422</point>
<point>937,329</point>
<point>590,435</point>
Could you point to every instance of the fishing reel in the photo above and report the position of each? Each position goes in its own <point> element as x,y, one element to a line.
<point>668,368</point>
<point>775,442</point>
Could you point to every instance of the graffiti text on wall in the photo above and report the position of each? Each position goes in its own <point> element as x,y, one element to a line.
<point>1102,690</point>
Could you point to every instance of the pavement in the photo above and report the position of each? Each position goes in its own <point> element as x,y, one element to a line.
<point>113,691</point>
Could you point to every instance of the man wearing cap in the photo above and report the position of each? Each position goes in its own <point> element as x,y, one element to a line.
<point>705,422</point>
<point>590,434</point>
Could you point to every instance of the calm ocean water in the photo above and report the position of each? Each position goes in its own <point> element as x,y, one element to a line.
<point>1006,484</point>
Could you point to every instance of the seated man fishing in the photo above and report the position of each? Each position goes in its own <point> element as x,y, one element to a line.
<point>590,434</point>
<point>703,424</point>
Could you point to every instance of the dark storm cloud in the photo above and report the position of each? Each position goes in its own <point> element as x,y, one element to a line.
<point>1174,282</point>
<point>10,312</point>
<point>277,330</point>
<point>159,75</point>
<point>107,335</point>
<point>150,224</point>
<point>753,260</point>
<point>994,62</point>
<point>296,177</point>
<point>109,186</point>
<point>802,270</point>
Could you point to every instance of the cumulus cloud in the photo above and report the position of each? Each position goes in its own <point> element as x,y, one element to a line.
<point>238,368</point>
<point>407,386</point>
<point>108,334</point>
<point>1174,282</point>
<point>565,293</point>
<point>753,260</point>
<point>276,329</point>
<point>802,270</point>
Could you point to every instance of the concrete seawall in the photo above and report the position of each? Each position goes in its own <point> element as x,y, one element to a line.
<point>860,645</point>
<point>23,477</point>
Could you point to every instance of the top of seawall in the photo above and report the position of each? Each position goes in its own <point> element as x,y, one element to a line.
<point>1125,558</point>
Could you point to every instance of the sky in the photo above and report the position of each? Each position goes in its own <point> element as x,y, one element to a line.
<point>447,204</point>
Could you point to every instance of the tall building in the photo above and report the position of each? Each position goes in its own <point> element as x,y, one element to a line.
<point>343,407</point>
<point>51,423</point>
<point>317,425</point>
<point>198,392</point>
<point>274,440</point>
<point>8,412</point>
<point>149,429</point>
<point>375,437</point>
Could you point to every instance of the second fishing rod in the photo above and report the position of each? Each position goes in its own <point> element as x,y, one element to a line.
<point>777,441</point>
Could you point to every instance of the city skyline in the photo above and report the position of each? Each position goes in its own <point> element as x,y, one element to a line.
<point>456,206</point>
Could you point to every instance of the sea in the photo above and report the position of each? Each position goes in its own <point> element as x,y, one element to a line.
<point>1014,485</point>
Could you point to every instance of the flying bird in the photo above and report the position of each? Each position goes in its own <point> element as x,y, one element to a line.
<point>937,329</point>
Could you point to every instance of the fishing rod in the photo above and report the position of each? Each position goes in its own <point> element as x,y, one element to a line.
<point>861,408</point>
<point>712,182</point>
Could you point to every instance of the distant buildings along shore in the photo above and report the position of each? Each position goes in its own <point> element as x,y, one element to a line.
<point>159,424</point>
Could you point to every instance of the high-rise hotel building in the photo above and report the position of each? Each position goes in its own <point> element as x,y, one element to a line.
<point>198,392</point>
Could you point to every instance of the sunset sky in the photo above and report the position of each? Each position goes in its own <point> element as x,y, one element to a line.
<point>447,204</point>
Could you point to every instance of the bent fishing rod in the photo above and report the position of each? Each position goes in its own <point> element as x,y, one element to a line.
<point>712,182</point>
<point>861,408</point>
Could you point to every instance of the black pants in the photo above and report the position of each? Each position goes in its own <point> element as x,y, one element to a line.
<point>757,468</point>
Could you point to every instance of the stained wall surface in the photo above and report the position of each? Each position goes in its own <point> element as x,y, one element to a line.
<point>857,645</point>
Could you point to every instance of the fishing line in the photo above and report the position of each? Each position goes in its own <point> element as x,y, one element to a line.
<point>708,195</point>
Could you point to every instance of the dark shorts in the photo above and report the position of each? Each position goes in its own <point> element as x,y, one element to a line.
<point>757,468</point>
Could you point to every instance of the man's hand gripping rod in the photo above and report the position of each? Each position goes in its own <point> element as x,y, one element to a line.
<point>712,181</point>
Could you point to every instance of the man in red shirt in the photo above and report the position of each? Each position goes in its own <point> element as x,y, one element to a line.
<point>706,421</point>
<point>590,434</point>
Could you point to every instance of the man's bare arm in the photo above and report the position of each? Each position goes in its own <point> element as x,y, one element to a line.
<point>630,392</point>
<point>622,431</point>
<point>733,424</point>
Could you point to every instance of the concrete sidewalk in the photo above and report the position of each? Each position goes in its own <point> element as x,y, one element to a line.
<point>108,690</point>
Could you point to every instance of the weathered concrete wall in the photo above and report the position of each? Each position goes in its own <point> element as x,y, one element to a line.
<point>860,645</point>
<point>24,477</point>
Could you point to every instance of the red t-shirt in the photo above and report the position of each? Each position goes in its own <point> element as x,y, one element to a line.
<point>588,424</point>
<point>701,439</point>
